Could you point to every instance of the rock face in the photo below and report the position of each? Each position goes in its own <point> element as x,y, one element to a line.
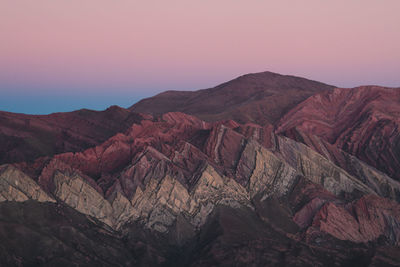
<point>158,175</point>
<point>362,121</point>
<point>174,190</point>
<point>364,220</point>
<point>17,186</point>
<point>260,97</point>
<point>153,173</point>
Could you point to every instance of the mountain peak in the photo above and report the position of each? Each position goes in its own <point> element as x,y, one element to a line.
<point>256,97</point>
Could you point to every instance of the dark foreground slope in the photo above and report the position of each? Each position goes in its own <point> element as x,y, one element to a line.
<point>38,234</point>
<point>260,97</point>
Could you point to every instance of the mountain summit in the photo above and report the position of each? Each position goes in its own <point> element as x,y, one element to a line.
<point>260,97</point>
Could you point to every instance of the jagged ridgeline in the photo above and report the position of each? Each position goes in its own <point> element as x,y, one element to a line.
<point>233,186</point>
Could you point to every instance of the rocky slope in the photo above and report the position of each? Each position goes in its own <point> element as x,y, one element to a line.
<point>260,97</point>
<point>362,121</point>
<point>185,181</point>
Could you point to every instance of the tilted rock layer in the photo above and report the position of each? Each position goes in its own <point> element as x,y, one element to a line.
<point>155,173</point>
<point>362,121</point>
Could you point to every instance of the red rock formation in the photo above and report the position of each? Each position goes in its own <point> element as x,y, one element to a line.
<point>364,220</point>
<point>362,121</point>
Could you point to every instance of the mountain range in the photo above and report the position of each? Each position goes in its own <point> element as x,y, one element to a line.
<point>264,170</point>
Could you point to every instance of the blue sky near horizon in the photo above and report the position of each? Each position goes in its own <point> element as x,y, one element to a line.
<point>47,105</point>
<point>40,105</point>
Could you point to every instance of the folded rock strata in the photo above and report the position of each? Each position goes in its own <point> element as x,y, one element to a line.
<point>362,121</point>
<point>156,175</point>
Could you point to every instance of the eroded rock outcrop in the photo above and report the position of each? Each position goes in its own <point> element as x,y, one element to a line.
<point>158,172</point>
<point>17,186</point>
<point>362,121</point>
<point>78,194</point>
<point>366,219</point>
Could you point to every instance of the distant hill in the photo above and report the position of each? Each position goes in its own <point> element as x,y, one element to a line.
<point>27,137</point>
<point>260,97</point>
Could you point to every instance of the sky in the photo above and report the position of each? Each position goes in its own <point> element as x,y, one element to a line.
<point>69,54</point>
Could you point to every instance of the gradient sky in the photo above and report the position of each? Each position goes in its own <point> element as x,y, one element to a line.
<point>68,54</point>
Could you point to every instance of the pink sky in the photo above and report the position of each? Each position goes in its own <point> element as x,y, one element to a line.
<point>128,45</point>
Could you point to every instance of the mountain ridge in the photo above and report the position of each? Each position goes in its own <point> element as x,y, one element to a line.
<point>261,91</point>
<point>247,186</point>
